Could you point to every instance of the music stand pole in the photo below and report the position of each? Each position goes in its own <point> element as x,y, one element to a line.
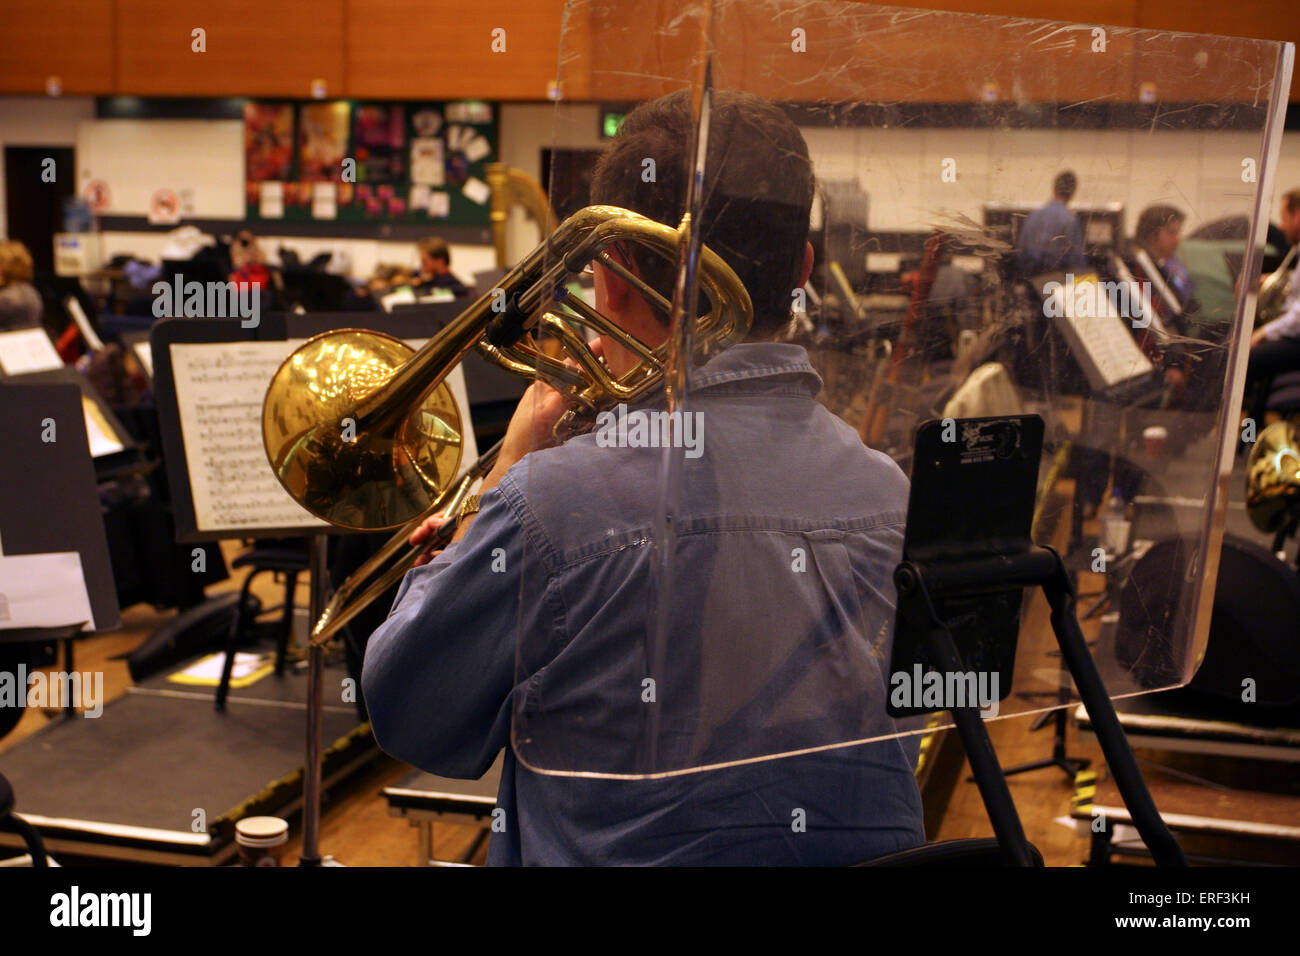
<point>311,777</point>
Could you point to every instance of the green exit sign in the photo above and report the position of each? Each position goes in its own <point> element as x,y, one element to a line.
<point>611,123</point>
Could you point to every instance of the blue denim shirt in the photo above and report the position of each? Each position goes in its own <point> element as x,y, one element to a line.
<point>553,637</point>
<point>1051,240</point>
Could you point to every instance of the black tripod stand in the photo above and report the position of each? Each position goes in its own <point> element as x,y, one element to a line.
<point>968,553</point>
<point>919,586</point>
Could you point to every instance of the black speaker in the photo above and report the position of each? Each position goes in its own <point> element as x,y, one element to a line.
<point>1254,624</point>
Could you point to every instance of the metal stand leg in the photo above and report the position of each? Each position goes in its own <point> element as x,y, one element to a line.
<point>311,778</point>
<point>983,761</point>
<point>1119,756</point>
<point>69,710</point>
<point>425,828</point>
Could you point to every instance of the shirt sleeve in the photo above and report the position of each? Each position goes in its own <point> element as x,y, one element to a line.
<point>439,674</point>
<point>1287,325</point>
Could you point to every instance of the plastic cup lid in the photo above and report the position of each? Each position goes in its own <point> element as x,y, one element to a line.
<point>261,831</point>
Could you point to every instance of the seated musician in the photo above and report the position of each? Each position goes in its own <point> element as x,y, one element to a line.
<point>440,675</point>
<point>1275,347</point>
<point>1156,238</point>
<point>435,269</point>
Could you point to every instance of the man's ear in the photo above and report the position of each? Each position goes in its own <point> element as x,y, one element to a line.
<point>616,291</point>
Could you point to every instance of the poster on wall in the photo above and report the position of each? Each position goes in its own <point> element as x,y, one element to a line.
<point>268,141</point>
<point>322,141</point>
<point>387,162</point>
<point>379,143</point>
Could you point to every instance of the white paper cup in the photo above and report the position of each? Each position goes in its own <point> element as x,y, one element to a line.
<point>261,840</point>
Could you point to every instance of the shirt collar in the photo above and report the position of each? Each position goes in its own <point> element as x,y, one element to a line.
<point>754,367</point>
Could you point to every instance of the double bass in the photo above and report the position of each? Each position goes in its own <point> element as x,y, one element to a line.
<point>873,423</point>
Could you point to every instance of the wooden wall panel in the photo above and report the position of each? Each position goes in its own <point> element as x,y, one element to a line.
<point>442,49</point>
<point>877,55</point>
<point>438,49</point>
<point>254,47</point>
<point>70,39</point>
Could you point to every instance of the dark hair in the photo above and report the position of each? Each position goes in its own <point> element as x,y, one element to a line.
<point>1065,184</point>
<point>435,248</point>
<point>1292,200</point>
<point>1155,218</point>
<point>758,192</point>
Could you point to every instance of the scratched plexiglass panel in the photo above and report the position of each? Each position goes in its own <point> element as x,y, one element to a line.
<point>935,217</point>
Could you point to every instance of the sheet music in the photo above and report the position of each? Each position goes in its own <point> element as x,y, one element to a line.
<point>1101,343</point>
<point>144,353</point>
<point>219,392</point>
<point>99,433</point>
<point>27,350</point>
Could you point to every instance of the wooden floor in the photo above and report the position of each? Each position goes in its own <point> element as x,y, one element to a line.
<point>357,830</point>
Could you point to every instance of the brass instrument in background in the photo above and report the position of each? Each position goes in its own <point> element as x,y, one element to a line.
<point>513,187</point>
<point>1274,290</point>
<point>1273,476</point>
<point>363,433</point>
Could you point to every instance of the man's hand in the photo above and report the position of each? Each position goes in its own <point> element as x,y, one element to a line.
<point>1257,336</point>
<point>423,533</point>
<point>533,424</point>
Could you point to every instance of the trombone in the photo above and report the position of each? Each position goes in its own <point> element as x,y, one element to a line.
<point>363,433</point>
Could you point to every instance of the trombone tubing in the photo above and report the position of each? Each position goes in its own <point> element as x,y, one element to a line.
<point>342,607</point>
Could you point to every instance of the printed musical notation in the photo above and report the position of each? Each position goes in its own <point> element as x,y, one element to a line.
<point>219,390</point>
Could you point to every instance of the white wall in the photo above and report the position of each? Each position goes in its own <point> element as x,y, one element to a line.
<point>39,121</point>
<point>1200,172</point>
<point>199,160</point>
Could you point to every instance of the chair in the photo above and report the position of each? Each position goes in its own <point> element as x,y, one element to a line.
<point>9,823</point>
<point>287,556</point>
<point>1284,394</point>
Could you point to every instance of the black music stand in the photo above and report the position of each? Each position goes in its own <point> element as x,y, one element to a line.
<point>51,503</point>
<point>967,558</point>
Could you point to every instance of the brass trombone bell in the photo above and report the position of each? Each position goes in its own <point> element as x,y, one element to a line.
<point>344,457</point>
<point>1273,475</point>
<point>362,432</point>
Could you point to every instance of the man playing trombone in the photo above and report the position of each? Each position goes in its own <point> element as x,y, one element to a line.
<point>786,531</point>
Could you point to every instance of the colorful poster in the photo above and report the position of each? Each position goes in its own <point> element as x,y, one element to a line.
<point>379,143</point>
<point>268,141</point>
<point>322,141</point>
<point>385,162</point>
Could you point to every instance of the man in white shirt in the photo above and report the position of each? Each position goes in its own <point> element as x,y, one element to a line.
<point>1275,347</point>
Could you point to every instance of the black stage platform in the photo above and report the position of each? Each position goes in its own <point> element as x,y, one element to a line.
<point>126,785</point>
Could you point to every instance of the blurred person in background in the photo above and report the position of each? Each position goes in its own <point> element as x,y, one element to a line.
<point>20,303</point>
<point>1051,240</point>
<point>435,269</point>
